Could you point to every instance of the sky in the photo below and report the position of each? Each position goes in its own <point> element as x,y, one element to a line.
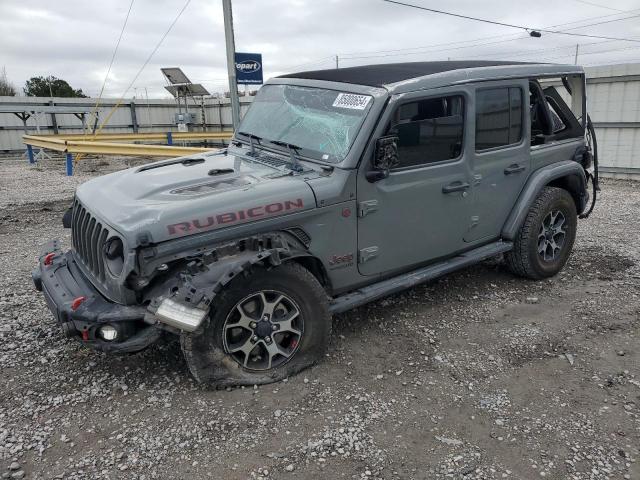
<point>75,39</point>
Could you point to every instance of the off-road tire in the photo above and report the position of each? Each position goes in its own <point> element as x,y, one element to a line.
<point>204,349</point>
<point>524,260</point>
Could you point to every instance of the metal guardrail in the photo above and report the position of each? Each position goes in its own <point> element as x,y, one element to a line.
<point>168,136</point>
<point>107,144</point>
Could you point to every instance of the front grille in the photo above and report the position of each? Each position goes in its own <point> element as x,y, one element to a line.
<point>88,236</point>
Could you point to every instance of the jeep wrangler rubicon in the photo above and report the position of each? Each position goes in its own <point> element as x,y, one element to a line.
<point>340,187</point>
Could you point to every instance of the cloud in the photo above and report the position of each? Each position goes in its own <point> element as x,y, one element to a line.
<point>74,40</point>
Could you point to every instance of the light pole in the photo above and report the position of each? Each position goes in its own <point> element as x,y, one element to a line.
<point>231,62</point>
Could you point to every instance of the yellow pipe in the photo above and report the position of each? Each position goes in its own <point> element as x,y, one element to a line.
<point>105,148</point>
<point>145,136</point>
<point>49,143</point>
<point>108,148</point>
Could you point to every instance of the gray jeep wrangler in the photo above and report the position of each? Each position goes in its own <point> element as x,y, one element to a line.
<point>340,187</point>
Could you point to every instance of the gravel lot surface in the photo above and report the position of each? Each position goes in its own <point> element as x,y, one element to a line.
<point>478,375</point>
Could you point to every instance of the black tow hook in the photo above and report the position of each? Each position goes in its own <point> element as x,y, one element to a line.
<point>69,330</point>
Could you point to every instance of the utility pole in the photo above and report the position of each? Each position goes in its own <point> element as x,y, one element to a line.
<point>231,62</point>
<point>575,61</point>
<point>337,64</point>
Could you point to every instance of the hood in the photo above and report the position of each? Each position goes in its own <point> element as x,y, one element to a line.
<point>188,195</point>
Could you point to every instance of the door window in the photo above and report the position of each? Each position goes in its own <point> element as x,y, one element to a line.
<point>498,117</point>
<point>428,130</point>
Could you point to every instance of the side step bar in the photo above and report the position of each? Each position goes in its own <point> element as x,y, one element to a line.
<point>407,280</point>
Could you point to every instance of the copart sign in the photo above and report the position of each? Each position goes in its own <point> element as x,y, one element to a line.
<point>249,68</point>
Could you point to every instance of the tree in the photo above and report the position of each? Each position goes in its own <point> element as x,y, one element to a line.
<point>6,87</point>
<point>50,87</point>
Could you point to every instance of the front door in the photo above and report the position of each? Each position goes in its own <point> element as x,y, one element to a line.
<point>500,155</point>
<point>420,212</point>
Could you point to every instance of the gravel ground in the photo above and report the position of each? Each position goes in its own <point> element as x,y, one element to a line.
<point>478,375</point>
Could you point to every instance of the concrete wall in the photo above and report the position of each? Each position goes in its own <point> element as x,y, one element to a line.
<point>613,102</point>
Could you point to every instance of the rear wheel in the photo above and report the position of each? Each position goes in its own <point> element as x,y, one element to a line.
<point>544,242</point>
<point>263,328</point>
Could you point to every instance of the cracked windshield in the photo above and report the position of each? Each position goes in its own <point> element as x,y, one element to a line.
<point>322,123</point>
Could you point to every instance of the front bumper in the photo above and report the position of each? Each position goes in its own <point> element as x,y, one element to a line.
<point>62,282</point>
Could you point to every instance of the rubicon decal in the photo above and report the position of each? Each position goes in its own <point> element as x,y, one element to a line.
<point>229,218</point>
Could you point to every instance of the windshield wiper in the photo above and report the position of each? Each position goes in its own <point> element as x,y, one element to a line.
<point>293,153</point>
<point>252,137</point>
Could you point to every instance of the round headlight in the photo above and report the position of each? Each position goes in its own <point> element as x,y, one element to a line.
<point>108,333</point>
<point>114,255</point>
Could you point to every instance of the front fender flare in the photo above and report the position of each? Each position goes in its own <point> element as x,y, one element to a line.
<point>537,181</point>
<point>203,278</point>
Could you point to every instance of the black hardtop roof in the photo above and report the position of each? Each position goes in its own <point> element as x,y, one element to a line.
<point>388,73</point>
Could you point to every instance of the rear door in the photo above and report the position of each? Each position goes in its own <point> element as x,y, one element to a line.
<point>500,156</point>
<point>421,211</point>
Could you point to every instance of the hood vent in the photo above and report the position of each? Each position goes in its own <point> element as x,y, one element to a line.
<point>216,186</point>
<point>220,171</point>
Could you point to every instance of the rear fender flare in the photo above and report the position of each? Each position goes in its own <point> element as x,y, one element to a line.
<point>573,179</point>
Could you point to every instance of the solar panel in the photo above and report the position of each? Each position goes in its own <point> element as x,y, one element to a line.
<point>192,89</point>
<point>197,90</point>
<point>175,90</point>
<point>175,75</point>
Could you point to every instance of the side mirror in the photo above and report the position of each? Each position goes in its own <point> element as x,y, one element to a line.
<point>384,159</point>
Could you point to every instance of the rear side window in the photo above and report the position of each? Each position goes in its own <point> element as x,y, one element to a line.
<point>429,130</point>
<point>498,117</point>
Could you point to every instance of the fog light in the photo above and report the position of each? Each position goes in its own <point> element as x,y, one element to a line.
<point>108,333</point>
<point>178,315</point>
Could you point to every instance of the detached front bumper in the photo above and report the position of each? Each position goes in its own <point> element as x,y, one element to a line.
<point>63,285</point>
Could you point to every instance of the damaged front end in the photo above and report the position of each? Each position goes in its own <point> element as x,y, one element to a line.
<point>83,312</point>
<point>180,298</point>
<point>175,299</point>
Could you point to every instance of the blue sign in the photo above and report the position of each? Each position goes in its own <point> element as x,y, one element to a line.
<point>249,68</point>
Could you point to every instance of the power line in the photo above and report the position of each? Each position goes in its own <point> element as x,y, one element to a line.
<point>472,42</point>
<point>312,62</point>
<point>519,53</point>
<point>598,5</point>
<point>509,25</point>
<point>348,55</point>
<point>466,46</point>
<point>175,20</point>
<point>433,10</point>
<point>571,55</point>
<point>113,57</point>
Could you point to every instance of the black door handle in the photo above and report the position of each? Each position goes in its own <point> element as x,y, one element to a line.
<point>515,168</point>
<point>455,187</point>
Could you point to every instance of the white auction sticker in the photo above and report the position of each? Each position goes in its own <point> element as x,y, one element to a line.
<point>351,100</point>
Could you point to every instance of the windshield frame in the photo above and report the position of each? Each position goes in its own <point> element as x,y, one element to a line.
<point>352,155</point>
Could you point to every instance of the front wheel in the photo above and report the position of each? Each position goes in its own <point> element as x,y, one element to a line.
<point>544,242</point>
<point>262,328</point>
